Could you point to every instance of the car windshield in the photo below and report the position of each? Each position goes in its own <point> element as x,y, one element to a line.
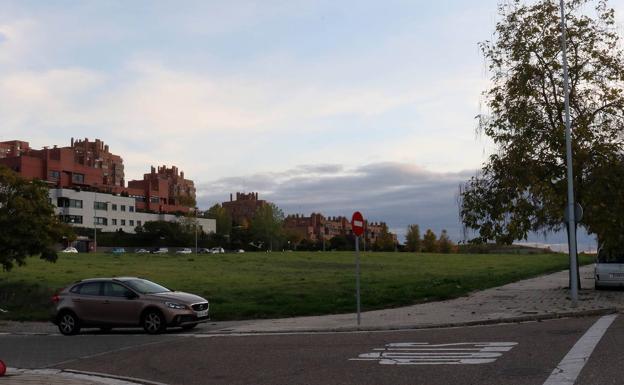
<point>144,286</point>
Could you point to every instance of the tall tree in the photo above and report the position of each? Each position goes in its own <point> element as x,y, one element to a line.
<point>445,245</point>
<point>223,219</point>
<point>385,240</point>
<point>266,225</point>
<point>29,225</point>
<point>413,241</point>
<point>522,187</point>
<point>430,242</point>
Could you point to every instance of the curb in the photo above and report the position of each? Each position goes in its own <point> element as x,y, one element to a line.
<point>103,378</point>
<point>496,321</point>
<point>113,377</point>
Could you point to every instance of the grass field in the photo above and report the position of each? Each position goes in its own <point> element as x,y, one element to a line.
<point>259,285</point>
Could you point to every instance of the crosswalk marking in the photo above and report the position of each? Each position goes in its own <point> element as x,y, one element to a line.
<point>423,353</point>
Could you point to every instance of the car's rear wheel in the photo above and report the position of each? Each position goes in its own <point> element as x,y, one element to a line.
<point>154,322</point>
<point>68,323</point>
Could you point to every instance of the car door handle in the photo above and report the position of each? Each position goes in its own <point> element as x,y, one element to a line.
<point>75,299</point>
<point>106,302</point>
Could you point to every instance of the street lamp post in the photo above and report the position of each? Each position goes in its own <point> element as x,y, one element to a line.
<point>568,134</point>
<point>196,231</point>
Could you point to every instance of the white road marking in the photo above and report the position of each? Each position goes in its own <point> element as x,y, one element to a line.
<point>422,353</point>
<point>570,367</point>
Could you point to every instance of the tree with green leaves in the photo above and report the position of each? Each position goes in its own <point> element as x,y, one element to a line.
<point>223,219</point>
<point>445,245</point>
<point>413,241</point>
<point>266,225</point>
<point>28,222</point>
<point>384,240</point>
<point>430,242</point>
<point>522,187</point>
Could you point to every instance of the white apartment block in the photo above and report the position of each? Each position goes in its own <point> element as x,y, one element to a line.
<point>109,212</point>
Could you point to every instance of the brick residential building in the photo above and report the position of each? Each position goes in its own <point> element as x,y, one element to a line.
<point>89,165</point>
<point>316,227</point>
<point>243,209</point>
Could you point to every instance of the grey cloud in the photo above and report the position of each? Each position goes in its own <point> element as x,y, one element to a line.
<point>397,193</point>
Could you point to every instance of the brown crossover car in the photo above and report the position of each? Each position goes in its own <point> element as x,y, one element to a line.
<point>125,302</point>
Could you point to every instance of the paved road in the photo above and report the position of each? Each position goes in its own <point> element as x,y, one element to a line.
<point>501,354</point>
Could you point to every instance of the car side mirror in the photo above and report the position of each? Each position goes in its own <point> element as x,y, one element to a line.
<point>131,295</point>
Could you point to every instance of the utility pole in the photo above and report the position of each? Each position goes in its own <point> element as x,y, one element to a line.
<point>568,135</point>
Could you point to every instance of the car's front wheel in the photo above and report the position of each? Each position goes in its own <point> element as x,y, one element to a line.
<point>68,324</point>
<point>154,322</point>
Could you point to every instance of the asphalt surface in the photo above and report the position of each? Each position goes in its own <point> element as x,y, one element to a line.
<point>513,354</point>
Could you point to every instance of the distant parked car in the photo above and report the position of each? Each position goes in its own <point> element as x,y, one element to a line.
<point>118,251</point>
<point>126,302</point>
<point>217,250</point>
<point>184,250</point>
<point>609,269</point>
<point>141,251</point>
<point>69,250</point>
<point>203,250</point>
<point>160,250</point>
<point>239,251</point>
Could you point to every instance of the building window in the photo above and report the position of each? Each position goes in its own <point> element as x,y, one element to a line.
<point>101,221</point>
<point>71,219</point>
<point>131,209</point>
<point>114,222</point>
<point>78,178</point>
<point>131,222</point>
<point>66,202</point>
<point>114,207</point>
<point>55,175</point>
<point>154,199</point>
<point>100,205</point>
<point>123,207</point>
<point>138,223</point>
<point>123,222</point>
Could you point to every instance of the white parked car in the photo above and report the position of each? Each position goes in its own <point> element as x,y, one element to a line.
<point>160,250</point>
<point>217,250</point>
<point>69,250</point>
<point>609,269</point>
<point>141,251</point>
<point>184,250</point>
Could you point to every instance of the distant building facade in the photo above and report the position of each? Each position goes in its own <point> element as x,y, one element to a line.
<point>317,227</point>
<point>243,208</point>
<point>89,165</point>
<point>108,212</point>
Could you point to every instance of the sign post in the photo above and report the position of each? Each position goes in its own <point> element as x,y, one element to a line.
<point>357,225</point>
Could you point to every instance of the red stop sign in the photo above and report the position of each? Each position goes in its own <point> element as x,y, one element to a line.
<point>357,223</point>
<point>2,368</point>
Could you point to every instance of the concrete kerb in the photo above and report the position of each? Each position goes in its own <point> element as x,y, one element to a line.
<point>497,321</point>
<point>69,376</point>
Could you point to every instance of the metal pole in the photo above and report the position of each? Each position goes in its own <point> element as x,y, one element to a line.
<point>570,208</point>
<point>196,231</point>
<point>94,224</point>
<point>357,276</point>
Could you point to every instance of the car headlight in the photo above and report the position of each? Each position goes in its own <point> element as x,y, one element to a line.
<point>174,305</point>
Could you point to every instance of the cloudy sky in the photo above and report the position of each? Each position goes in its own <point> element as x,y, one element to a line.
<point>318,105</point>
